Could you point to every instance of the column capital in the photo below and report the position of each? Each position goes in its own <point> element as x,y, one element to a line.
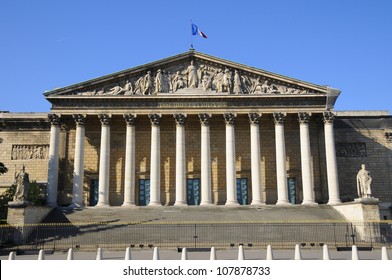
<point>180,119</point>
<point>104,119</point>
<point>130,119</point>
<point>54,119</point>
<point>304,117</point>
<point>328,117</point>
<point>279,117</point>
<point>388,135</point>
<point>254,118</point>
<point>205,118</point>
<point>79,119</point>
<point>155,119</point>
<point>229,118</point>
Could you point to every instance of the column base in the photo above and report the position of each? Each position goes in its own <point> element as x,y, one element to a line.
<point>128,204</point>
<point>102,204</point>
<point>206,203</point>
<point>232,203</point>
<point>257,203</point>
<point>334,202</point>
<point>284,203</point>
<point>75,205</point>
<point>309,202</point>
<point>180,203</point>
<point>154,204</point>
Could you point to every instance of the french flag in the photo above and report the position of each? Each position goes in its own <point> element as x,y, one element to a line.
<point>196,30</point>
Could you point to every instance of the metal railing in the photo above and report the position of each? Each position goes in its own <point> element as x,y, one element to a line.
<point>117,236</point>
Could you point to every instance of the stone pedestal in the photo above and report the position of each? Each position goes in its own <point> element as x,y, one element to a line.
<point>23,217</point>
<point>364,213</point>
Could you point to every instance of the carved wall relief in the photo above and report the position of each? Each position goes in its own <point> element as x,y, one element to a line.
<point>348,149</point>
<point>202,75</point>
<point>26,152</point>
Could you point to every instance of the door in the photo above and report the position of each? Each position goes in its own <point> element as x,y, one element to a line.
<point>242,191</point>
<point>144,192</point>
<point>94,183</point>
<point>193,191</point>
<point>292,189</point>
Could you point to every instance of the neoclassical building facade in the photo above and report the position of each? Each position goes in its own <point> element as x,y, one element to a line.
<point>193,129</point>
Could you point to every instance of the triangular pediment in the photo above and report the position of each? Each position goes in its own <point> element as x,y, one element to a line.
<point>190,73</point>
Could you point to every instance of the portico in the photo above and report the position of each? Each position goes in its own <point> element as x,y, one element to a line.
<point>199,145</point>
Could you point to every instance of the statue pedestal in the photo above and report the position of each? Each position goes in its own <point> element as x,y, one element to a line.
<point>23,216</point>
<point>364,214</point>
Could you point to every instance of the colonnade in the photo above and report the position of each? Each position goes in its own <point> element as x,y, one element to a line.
<point>180,182</point>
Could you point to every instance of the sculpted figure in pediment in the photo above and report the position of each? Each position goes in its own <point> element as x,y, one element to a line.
<point>226,81</point>
<point>237,86</point>
<point>206,82</point>
<point>192,76</point>
<point>257,86</point>
<point>139,85</point>
<point>178,82</point>
<point>128,88</point>
<point>116,90</point>
<point>200,74</point>
<point>217,81</point>
<point>148,84</point>
<point>159,82</point>
<point>246,84</point>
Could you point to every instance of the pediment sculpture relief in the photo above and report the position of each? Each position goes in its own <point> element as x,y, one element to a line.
<point>203,77</point>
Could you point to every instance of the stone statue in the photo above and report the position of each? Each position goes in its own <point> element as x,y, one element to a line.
<point>128,89</point>
<point>22,186</point>
<point>178,82</point>
<point>148,85</point>
<point>159,82</point>
<point>363,183</point>
<point>237,88</point>
<point>192,76</point>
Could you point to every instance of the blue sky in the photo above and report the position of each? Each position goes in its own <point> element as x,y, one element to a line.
<point>344,44</point>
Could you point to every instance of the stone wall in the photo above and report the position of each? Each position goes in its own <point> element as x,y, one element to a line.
<point>24,140</point>
<point>361,141</point>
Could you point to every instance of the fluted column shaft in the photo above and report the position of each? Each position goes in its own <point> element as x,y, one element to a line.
<point>332,167</point>
<point>53,164</point>
<point>78,174</point>
<point>257,198</point>
<point>281,171</point>
<point>231,181</point>
<point>180,160</point>
<point>155,167</point>
<point>306,165</point>
<point>205,160</point>
<point>104,162</point>
<point>129,176</point>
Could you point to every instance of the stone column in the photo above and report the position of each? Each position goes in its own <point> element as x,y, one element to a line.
<point>129,178</point>
<point>254,119</point>
<point>280,147</point>
<point>53,164</point>
<point>231,180</point>
<point>104,161</point>
<point>205,160</point>
<point>78,174</point>
<point>306,164</point>
<point>155,169</point>
<point>332,167</point>
<point>180,160</point>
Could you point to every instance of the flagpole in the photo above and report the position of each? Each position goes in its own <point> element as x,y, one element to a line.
<point>191,37</point>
